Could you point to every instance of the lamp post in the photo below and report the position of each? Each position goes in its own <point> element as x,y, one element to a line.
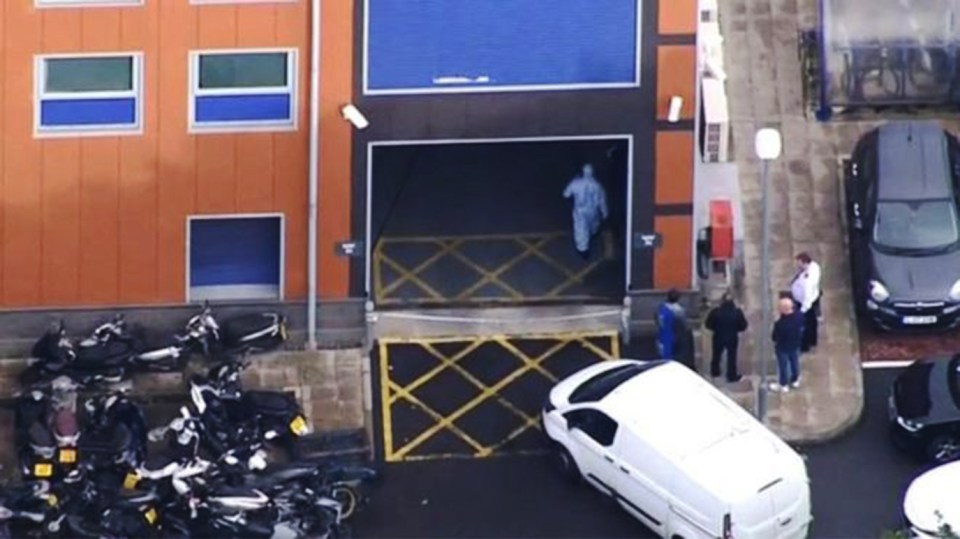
<point>767,145</point>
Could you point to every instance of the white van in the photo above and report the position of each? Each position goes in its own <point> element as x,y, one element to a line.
<point>676,453</point>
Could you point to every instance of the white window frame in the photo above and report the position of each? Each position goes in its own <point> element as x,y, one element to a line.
<point>40,95</point>
<point>85,3</point>
<point>194,91</point>
<point>282,253</point>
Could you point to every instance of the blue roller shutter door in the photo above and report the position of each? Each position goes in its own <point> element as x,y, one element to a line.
<point>432,45</point>
<point>236,257</point>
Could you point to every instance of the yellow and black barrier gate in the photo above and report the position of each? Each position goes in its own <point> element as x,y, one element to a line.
<point>474,397</point>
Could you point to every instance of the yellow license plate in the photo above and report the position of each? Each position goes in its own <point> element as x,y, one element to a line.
<point>68,456</point>
<point>150,515</point>
<point>130,481</point>
<point>299,425</point>
<point>43,469</point>
<point>283,332</point>
<point>52,500</point>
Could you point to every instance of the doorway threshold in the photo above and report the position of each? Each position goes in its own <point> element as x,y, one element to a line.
<point>493,321</point>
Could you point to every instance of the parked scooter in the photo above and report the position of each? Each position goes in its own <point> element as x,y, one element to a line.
<point>237,335</point>
<point>55,355</point>
<point>25,508</point>
<point>117,432</point>
<point>46,430</point>
<point>144,355</point>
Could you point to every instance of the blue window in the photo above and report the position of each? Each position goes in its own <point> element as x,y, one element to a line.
<point>236,257</point>
<point>243,90</point>
<point>94,94</point>
<point>432,46</point>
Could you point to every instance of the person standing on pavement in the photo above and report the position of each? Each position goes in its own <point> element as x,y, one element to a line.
<point>787,337</point>
<point>727,322</point>
<point>589,208</point>
<point>673,334</point>
<point>805,289</point>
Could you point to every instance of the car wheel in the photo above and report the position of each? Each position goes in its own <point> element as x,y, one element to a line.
<point>568,466</point>
<point>943,448</point>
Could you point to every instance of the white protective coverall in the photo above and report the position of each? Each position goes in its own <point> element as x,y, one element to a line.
<point>589,207</point>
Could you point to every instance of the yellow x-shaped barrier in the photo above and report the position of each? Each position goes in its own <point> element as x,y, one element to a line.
<point>529,246</point>
<point>393,393</point>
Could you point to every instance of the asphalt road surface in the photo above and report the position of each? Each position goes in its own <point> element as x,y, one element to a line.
<point>856,480</point>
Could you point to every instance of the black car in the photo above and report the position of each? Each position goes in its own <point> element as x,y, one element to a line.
<point>901,190</point>
<point>925,409</point>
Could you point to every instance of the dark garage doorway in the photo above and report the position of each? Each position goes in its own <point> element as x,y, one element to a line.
<point>485,222</point>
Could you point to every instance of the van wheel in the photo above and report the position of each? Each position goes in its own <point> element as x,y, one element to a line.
<point>568,466</point>
<point>943,448</point>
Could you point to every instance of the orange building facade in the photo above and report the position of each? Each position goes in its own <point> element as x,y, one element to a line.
<point>90,217</point>
<point>95,216</point>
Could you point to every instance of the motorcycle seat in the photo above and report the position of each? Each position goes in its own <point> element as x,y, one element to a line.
<point>111,439</point>
<point>269,402</point>
<point>228,491</point>
<point>289,472</point>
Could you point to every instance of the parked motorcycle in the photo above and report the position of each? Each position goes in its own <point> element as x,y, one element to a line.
<point>25,508</point>
<point>276,414</point>
<point>116,432</point>
<point>240,334</point>
<point>145,355</point>
<point>46,431</point>
<point>55,355</point>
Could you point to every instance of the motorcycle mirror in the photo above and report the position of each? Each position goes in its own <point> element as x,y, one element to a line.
<point>270,434</point>
<point>231,460</point>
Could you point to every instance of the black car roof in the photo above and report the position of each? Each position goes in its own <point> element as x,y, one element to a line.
<point>913,162</point>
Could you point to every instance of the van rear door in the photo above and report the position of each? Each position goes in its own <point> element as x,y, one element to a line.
<point>791,501</point>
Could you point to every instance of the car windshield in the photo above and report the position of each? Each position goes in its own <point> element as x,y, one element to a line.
<point>916,224</point>
<point>602,384</point>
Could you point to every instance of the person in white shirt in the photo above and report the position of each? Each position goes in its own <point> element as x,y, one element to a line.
<point>805,289</point>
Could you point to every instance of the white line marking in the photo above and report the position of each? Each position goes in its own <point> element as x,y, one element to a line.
<point>891,364</point>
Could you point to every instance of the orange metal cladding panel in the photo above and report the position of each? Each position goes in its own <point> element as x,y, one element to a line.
<point>677,16</point>
<point>60,244</point>
<point>721,229</point>
<point>336,89</point>
<point>256,25</point>
<point>176,162</point>
<point>99,181</point>
<point>672,260</point>
<point>216,153</point>
<point>21,242</point>
<point>137,241</point>
<point>676,76</point>
<point>290,151</point>
<point>674,169</point>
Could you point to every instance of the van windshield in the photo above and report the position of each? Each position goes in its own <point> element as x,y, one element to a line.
<point>600,385</point>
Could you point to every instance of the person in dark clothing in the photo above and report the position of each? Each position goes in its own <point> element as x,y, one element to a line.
<point>787,337</point>
<point>727,322</point>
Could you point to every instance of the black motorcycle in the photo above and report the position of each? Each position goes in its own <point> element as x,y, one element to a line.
<point>277,414</point>
<point>115,432</point>
<point>236,335</point>
<point>25,508</point>
<point>55,355</point>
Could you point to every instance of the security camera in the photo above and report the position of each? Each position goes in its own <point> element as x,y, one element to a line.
<point>353,115</point>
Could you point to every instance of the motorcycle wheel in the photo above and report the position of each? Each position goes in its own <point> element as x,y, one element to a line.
<point>348,499</point>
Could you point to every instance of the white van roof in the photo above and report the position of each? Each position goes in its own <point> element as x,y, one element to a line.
<point>728,451</point>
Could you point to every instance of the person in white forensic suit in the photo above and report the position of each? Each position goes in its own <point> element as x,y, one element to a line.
<point>589,208</point>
